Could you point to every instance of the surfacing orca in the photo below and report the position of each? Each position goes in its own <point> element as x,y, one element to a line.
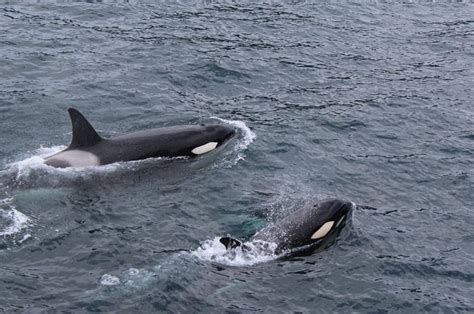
<point>308,229</point>
<point>87,148</point>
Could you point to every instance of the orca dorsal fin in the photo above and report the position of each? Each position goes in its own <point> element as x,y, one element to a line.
<point>83,133</point>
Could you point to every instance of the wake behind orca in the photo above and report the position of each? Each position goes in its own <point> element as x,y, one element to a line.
<point>306,230</point>
<point>87,148</point>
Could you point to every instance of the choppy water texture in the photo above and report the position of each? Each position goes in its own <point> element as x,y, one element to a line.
<point>371,102</point>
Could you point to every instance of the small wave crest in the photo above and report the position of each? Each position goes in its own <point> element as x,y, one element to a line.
<point>12,221</point>
<point>214,251</point>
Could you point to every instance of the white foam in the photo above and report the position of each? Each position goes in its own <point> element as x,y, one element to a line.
<point>25,237</point>
<point>214,251</point>
<point>248,137</point>
<point>24,167</point>
<point>16,220</point>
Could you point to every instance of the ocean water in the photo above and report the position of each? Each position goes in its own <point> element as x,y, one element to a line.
<point>367,101</point>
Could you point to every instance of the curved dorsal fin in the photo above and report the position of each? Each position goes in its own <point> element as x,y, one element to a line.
<point>83,134</point>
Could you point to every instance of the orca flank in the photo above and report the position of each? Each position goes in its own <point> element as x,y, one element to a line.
<point>88,148</point>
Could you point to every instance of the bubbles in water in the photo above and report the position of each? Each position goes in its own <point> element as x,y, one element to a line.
<point>131,280</point>
<point>109,280</point>
<point>214,251</point>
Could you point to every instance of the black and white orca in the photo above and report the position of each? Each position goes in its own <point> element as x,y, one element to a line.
<point>307,229</point>
<point>87,148</point>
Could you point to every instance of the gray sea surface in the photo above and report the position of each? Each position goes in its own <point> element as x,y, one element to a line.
<point>367,101</point>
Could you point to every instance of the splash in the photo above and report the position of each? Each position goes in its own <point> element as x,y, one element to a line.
<point>15,220</point>
<point>214,251</point>
<point>248,136</point>
<point>35,161</point>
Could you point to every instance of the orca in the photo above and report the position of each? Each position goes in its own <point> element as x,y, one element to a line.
<point>88,148</point>
<point>312,227</point>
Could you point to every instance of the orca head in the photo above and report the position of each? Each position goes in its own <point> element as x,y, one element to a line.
<point>221,133</point>
<point>314,226</point>
<point>216,135</point>
<point>330,216</point>
<point>325,223</point>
